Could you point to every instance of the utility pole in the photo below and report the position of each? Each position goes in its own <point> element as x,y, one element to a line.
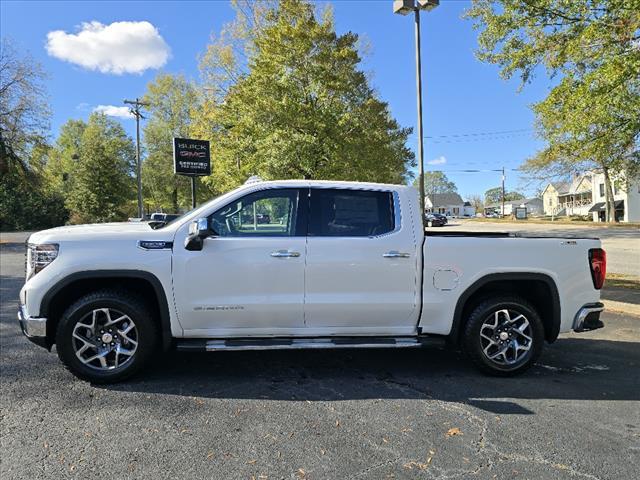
<point>405,7</point>
<point>135,111</point>
<point>502,191</point>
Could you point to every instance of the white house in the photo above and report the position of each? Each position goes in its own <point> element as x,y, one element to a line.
<point>449,204</point>
<point>626,196</point>
<point>533,205</point>
<point>585,196</point>
<point>569,198</point>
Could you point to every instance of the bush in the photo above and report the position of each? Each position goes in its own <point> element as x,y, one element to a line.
<point>24,205</point>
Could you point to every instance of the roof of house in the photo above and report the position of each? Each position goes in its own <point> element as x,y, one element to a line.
<point>439,199</point>
<point>565,188</point>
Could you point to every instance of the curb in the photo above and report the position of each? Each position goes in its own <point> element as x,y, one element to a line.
<point>621,307</point>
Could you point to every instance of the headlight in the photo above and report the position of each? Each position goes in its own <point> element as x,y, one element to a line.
<point>39,256</point>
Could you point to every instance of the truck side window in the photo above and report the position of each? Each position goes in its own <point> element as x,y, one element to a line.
<point>267,213</point>
<point>350,213</point>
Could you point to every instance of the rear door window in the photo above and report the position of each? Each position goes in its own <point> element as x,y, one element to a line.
<point>350,213</point>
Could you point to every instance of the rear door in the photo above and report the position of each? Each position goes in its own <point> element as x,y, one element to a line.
<point>361,273</point>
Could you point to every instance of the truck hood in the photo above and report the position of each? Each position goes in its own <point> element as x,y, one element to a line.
<point>101,231</point>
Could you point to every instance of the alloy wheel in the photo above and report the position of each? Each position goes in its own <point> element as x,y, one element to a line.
<point>105,339</point>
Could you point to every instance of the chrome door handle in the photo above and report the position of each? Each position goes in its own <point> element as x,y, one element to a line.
<point>395,254</point>
<point>284,254</point>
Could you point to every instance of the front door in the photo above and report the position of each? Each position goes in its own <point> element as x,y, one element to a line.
<point>249,278</point>
<point>361,265</point>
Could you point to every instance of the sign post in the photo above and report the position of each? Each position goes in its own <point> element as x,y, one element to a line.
<point>191,158</point>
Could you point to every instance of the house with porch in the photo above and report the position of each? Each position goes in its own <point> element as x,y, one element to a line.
<point>569,198</point>
<point>585,196</point>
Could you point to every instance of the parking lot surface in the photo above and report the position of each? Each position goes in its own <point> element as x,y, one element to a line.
<point>356,414</point>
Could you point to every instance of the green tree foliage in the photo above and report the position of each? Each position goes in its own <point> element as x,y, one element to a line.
<point>172,101</point>
<point>102,175</point>
<point>62,159</point>
<point>436,182</point>
<point>300,107</point>
<point>494,195</point>
<point>590,117</point>
<point>24,113</point>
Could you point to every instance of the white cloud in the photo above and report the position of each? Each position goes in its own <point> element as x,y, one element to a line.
<point>121,47</point>
<point>113,111</point>
<point>437,161</point>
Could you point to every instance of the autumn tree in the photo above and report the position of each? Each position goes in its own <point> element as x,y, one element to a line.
<point>300,107</point>
<point>592,47</point>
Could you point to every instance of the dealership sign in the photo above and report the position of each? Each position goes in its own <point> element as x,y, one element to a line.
<point>191,157</point>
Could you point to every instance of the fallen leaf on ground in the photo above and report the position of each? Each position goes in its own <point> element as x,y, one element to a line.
<point>251,462</point>
<point>210,455</point>
<point>452,432</point>
<point>301,473</point>
<point>420,466</point>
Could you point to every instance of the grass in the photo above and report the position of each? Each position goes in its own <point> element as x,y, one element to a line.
<point>616,280</point>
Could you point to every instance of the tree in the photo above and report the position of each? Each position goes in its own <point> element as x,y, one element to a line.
<point>436,182</point>
<point>102,181</point>
<point>303,109</point>
<point>24,114</point>
<point>24,111</point>
<point>590,118</point>
<point>476,201</point>
<point>172,100</point>
<point>494,195</point>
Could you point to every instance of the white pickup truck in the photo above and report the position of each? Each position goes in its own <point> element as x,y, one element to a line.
<point>302,264</point>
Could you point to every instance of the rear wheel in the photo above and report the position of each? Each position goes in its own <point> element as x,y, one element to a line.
<point>504,335</point>
<point>106,336</point>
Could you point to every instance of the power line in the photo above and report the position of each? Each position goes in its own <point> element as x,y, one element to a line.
<point>474,134</point>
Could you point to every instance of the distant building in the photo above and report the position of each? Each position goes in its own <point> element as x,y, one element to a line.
<point>626,196</point>
<point>533,205</point>
<point>585,196</point>
<point>449,204</point>
<point>569,198</point>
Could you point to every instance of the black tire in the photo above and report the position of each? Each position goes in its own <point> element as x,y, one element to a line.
<point>146,335</point>
<point>472,342</point>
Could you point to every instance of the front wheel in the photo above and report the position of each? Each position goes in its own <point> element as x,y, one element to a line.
<point>503,335</point>
<point>106,336</point>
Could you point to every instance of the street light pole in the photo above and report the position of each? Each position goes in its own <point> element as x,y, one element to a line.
<point>405,7</point>
<point>420,130</point>
<point>135,111</point>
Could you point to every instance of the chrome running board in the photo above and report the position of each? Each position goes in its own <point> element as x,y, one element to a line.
<point>229,344</point>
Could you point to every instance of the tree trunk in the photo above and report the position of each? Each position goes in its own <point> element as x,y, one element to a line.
<point>610,208</point>
<point>174,199</point>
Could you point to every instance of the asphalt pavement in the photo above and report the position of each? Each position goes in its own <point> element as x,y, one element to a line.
<point>347,414</point>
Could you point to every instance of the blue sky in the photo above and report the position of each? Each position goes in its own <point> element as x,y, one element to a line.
<point>461,95</point>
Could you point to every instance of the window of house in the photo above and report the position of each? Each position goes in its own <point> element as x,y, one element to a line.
<point>350,213</point>
<point>602,189</point>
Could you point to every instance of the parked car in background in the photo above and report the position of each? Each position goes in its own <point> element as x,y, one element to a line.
<point>441,217</point>
<point>435,220</point>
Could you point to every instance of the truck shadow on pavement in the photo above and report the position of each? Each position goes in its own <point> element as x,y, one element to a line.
<point>579,369</point>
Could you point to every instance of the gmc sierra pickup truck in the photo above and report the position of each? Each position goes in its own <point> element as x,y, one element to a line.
<point>302,264</point>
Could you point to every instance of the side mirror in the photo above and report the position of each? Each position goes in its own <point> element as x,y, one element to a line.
<point>198,230</point>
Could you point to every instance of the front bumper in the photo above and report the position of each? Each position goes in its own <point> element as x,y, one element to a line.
<point>35,329</point>
<point>588,318</point>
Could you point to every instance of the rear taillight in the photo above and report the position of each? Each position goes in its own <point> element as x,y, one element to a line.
<point>598,265</point>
